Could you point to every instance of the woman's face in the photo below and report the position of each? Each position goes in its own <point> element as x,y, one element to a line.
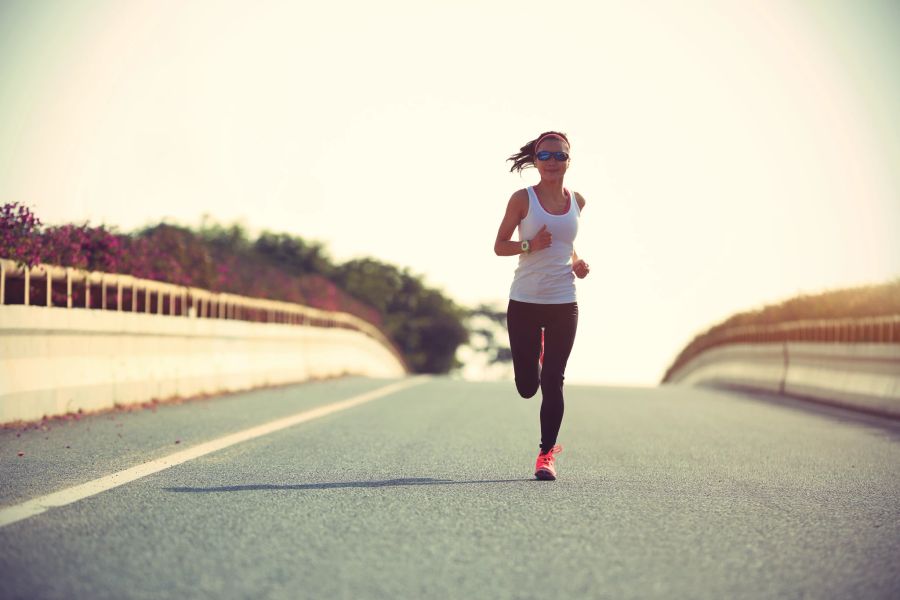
<point>551,169</point>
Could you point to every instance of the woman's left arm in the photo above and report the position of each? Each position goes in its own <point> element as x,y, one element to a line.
<point>579,267</point>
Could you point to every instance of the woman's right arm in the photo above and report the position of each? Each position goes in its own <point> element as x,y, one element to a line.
<point>516,210</point>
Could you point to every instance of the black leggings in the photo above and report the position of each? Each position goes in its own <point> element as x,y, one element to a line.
<point>559,322</point>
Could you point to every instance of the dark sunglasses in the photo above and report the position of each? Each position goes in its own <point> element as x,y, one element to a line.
<point>545,155</point>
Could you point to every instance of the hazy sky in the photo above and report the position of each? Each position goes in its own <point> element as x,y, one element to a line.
<point>732,153</point>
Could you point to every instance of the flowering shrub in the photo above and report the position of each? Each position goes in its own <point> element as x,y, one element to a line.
<point>171,254</point>
<point>19,238</point>
<point>276,267</point>
<point>82,247</point>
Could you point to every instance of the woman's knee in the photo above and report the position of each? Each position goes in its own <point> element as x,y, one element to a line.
<point>529,389</point>
<point>551,381</point>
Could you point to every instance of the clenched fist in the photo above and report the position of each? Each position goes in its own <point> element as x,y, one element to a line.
<point>543,239</point>
<point>581,269</point>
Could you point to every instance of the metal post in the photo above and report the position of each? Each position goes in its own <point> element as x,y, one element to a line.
<point>27,285</point>
<point>87,290</point>
<point>49,286</point>
<point>68,287</point>
<point>118,294</point>
<point>103,291</point>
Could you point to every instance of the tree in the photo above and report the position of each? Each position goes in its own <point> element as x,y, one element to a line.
<point>293,254</point>
<point>427,326</point>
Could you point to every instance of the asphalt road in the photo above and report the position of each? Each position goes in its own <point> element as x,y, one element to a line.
<point>428,493</point>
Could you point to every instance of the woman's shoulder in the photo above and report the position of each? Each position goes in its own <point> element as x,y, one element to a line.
<point>522,193</point>
<point>580,200</point>
<point>518,204</point>
<point>519,197</point>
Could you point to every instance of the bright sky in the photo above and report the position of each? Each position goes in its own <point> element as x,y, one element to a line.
<point>732,154</point>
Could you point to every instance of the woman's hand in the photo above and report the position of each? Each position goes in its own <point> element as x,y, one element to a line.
<point>543,239</point>
<point>581,269</point>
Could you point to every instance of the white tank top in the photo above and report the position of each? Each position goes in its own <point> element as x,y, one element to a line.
<point>545,276</point>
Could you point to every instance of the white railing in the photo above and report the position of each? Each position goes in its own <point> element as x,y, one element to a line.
<point>870,330</point>
<point>125,293</point>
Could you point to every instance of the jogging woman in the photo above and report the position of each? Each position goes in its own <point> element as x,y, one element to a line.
<point>543,313</point>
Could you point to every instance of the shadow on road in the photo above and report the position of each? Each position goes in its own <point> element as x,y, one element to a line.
<point>885,425</point>
<point>336,485</point>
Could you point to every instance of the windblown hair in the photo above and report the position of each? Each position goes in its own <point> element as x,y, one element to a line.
<point>524,158</point>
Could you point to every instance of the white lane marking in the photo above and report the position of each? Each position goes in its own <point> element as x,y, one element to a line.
<point>36,506</point>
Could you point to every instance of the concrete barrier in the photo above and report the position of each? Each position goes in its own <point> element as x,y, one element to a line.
<point>59,360</point>
<point>861,376</point>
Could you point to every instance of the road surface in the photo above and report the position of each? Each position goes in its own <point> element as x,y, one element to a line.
<point>428,492</point>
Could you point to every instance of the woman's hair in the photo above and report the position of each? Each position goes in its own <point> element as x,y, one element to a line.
<point>524,158</point>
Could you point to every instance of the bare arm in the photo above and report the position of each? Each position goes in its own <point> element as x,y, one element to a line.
<point>516,210</point>
<point>579,267</point>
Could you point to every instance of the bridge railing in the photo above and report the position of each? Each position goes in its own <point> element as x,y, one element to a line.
<point>67,287</point>
<point>870,330</point>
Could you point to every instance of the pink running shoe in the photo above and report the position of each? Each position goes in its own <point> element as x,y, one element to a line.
<point>544,468</point>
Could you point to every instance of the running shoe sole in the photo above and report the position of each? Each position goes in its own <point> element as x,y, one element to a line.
<point>544,475</point>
